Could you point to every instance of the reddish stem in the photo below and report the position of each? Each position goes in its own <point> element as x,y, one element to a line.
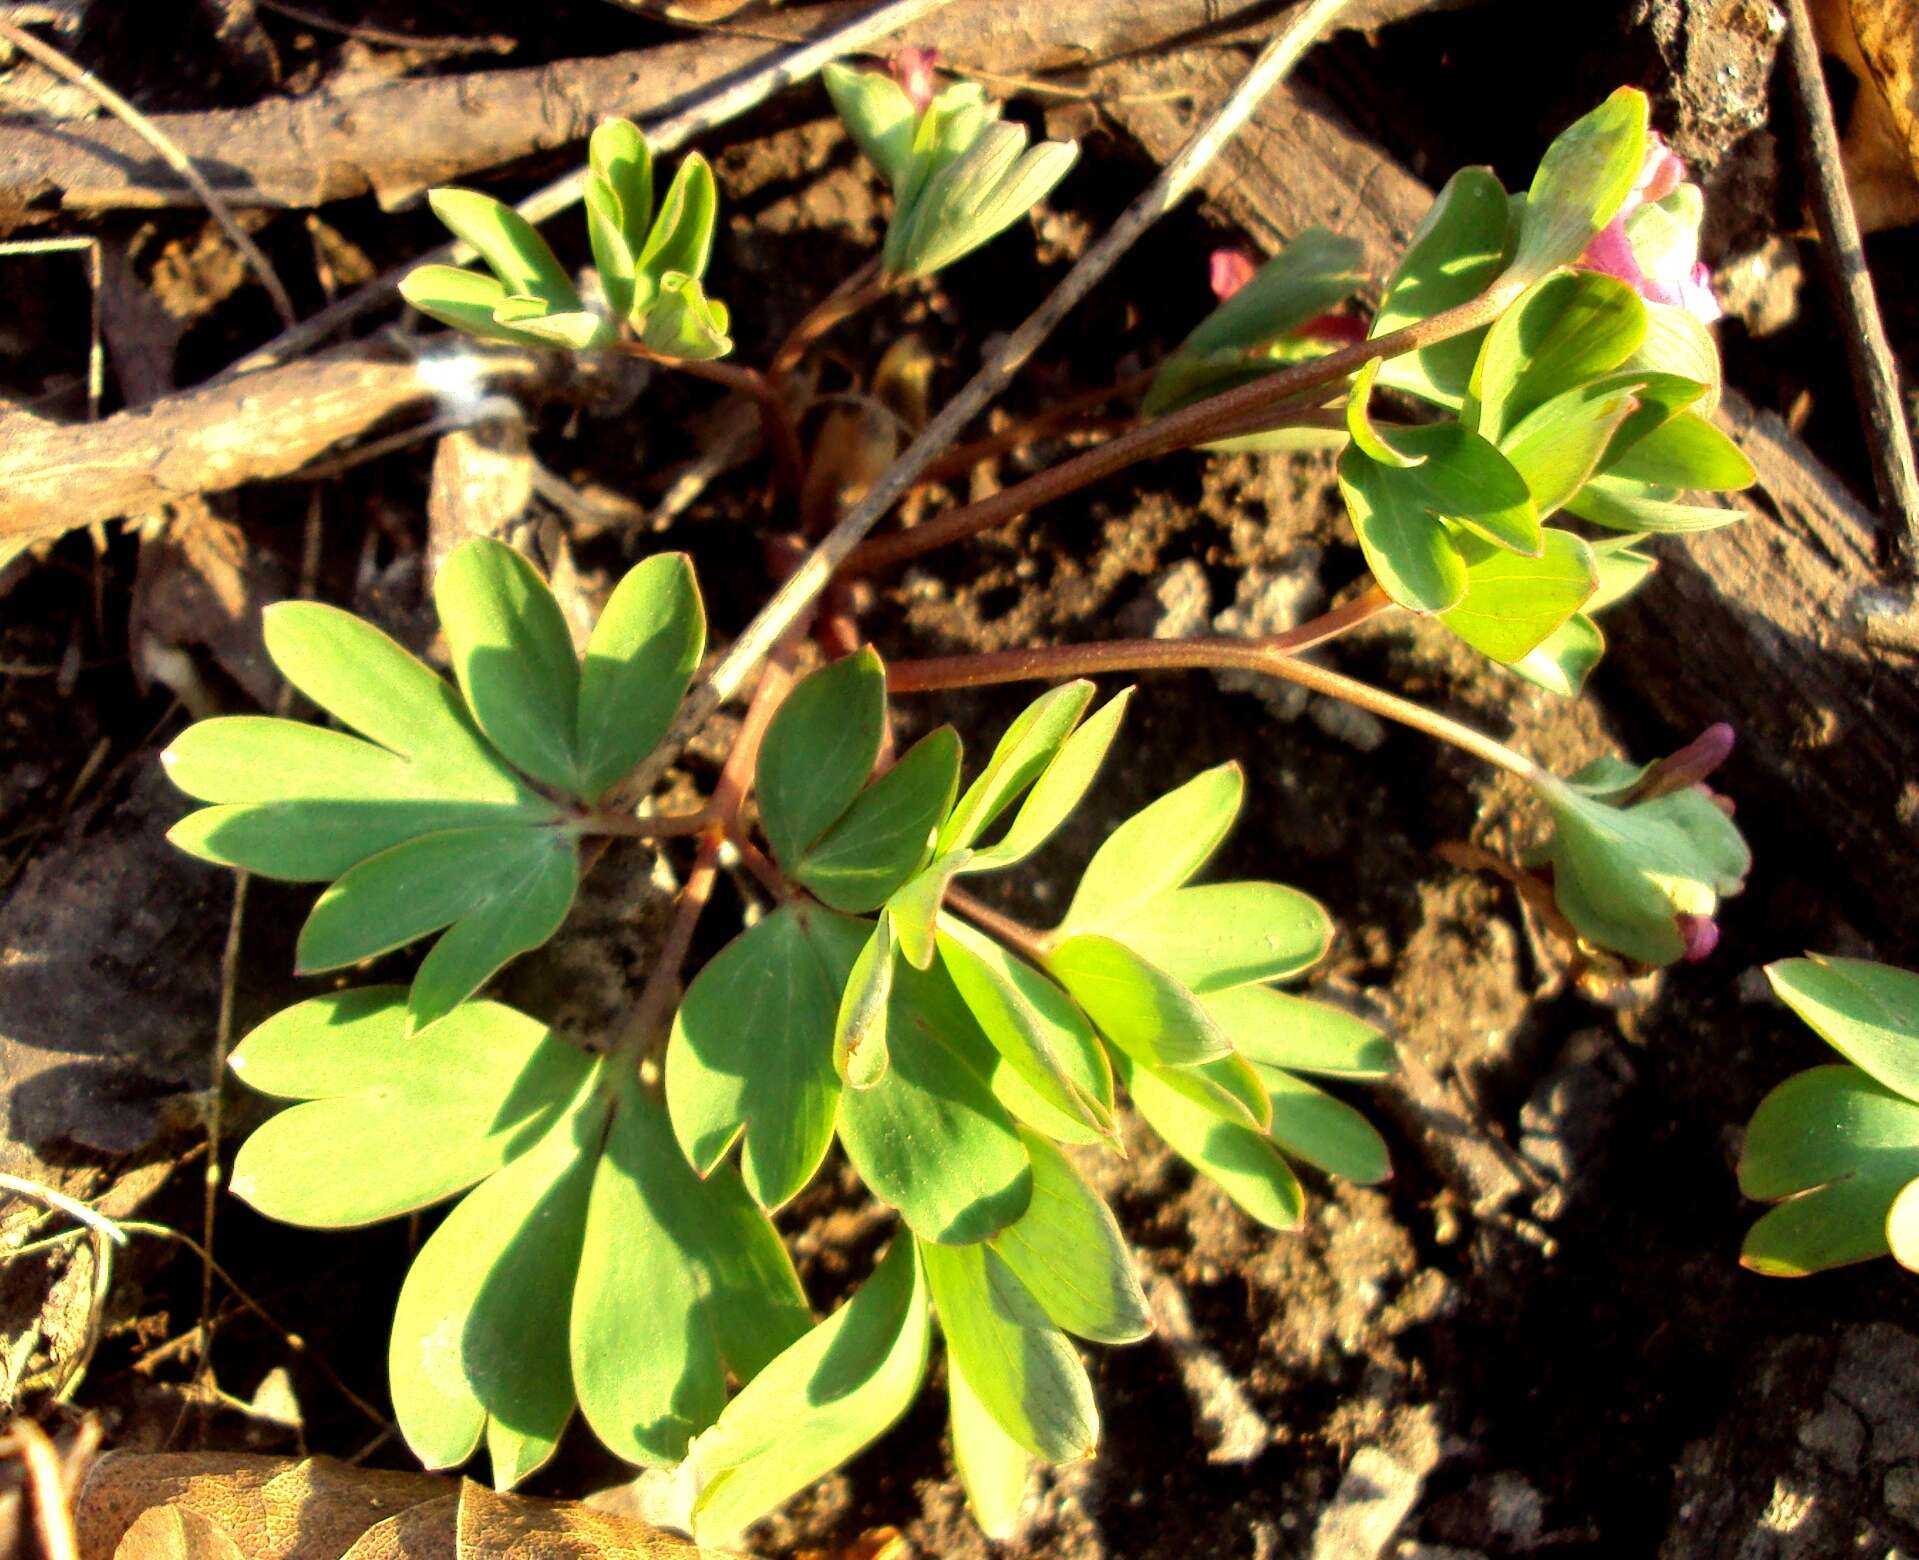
<point>863,288</point>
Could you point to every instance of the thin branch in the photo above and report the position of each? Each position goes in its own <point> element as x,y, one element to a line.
<point>1875,375</point>
<point>805,585</point>
<point>52,1503</point>
<point>668,135</point>
<point>104,1236</point>
<point>47,55</point>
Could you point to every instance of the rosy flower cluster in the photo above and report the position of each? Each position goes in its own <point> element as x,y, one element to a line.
<point>1676,282</point>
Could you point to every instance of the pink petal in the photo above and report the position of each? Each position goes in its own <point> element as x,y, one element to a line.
<point>1702,936</point>
<point>1229,270</point>
<point>913,70</point>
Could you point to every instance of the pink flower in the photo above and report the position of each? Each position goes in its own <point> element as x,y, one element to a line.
<point>1674,279</point>
<point>1229,270</point>
<point>913,70</point>
<point>1702,936</point>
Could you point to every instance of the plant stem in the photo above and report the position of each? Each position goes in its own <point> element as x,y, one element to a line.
<point>1074,410</point>
<point>652,1011</point>
<point>1277,656</point>
<point>673,826</point>
<point>1286,397</point>
<point>864,287</point>
<point>776,421</point>
<point>1028,940</point>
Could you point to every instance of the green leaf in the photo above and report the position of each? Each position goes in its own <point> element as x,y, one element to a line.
<point>682,235</point>
<point>1406,546</point>
<point>1867,1012</point>
<point>683,322</point>
<point>885,836</point>
<point>929,1138</point>
<point>1557,446</point>
<point>973,198</point>
<point>1462,478</point>
<point>752,1050</point>
<point>1024,751</point>
<point>914,907</point>
<point>994,1469</point>
<point>1568,328</point>
<point>1034,1026</point>
<point>499,891</point>
<point>1679,343</point>
<point>1140,1008</point>
<point>510,245</point>
<point>475,1352</point>
<point>306,803</point>
<point>1061,787</point>
<point>1068,1252</point>
<point>1840,1147</point>
<point>1686,452</point>
<point>1025,1371</point>
<point>649,1375</point>
<point>512,656</point>
<point>1159,847</point>
<point>1228,1087</point>
<point>1241,1161</point>
<point>1631,506</point>
<point>619,208</point>
<point>1513,604</point>
<point>1359,424</point>
<point>642,655</point>
<point>1327,1133</point>
<point>877,114</point>
<point>1217,935</point>
<point>464,1095</point>
<point>1564,659</point>
<point>859,1032</point>
<point>1316,271</point>
<point>834,1391</point>
<point>464,299</point>
<point>1277,1031</point>
<point>1458,250</point>
<point>754,1299</point>
<point>1622,875</point>
<point>1582,181</point>
<point>819,749</point>
<point>361,676</point>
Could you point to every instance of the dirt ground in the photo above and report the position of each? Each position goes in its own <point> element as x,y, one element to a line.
<point>1535,1338</point>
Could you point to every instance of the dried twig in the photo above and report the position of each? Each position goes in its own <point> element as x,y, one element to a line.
<point>1166,190</point>
<point>52,1504</point>
<point>103,1235</point>
<point>665,136</point>
<point>121,109</point>
<point>1875,375</point>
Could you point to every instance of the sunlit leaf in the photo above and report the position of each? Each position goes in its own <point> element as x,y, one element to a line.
<point>1024,750</point>
<point>642,655</point>
<point>1867,1012</point>
<point>1458,250</point>
<point>818,751</point>
<point>1514,604</point>
<point>1058,791</point>
<point>1242,1161</point>
<point>1159,847</point>
<point>885,836</point>
<point>1325,1132</point>
<point>1140,1008</point>
<point>1582,181</point>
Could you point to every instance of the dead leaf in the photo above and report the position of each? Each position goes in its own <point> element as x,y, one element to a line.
<point>220,1506</point>
<point>200,584</point>
<point>1878,42</point>
<point>176,1533</point>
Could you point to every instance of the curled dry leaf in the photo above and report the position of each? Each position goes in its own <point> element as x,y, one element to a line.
<point>1878,41</point>
<point>218,1506</point>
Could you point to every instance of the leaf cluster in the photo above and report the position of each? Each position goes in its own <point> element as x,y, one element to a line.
<point>1837,1147</point>
<point>451,811</point>
<point>960,173</point>
<point>650,260</point>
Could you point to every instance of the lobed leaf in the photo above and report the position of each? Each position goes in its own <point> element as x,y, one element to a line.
<point>1216,935</point>
<point>1514,604</point>
<point>465,1095</point>
<point>1455,254</point>
<point>1407,548</point>
<point>1241,1161</point>
<point>830,1393</point>
<point>885,836</point>
<point>1060,788</point>
<point>929,1138</point>
<point>1580,185</point>
<point>639,661</point>
<point>819,748</point>
<point>1025,749</point>
<point>1867,1012</point>
<point>1325,1132</point>
<point>1159,847</point>
<point>994,1469</point>
<point>1277,1031</point>
<point>1067,1250</point>
<point>510,245</point>
<point>877,113</point>
<point>1137,1006</point>
<point>513,657</point>
<point>1565,330</point>
<point>1024,1370</point>
<point>474,1353</point>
